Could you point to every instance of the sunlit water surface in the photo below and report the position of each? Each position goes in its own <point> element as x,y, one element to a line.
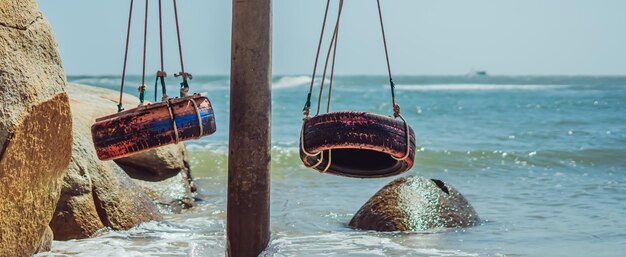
<point>542,160</point>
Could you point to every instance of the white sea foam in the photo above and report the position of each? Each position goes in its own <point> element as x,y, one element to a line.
<point>357,244</point>
<point>291,82</point>
<point>477,87</point>
<point>200,236</point>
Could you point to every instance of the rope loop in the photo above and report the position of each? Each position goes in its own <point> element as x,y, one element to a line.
<point>329,160</point>
<point>195,105</point>
<point>408,138</point>
<point>302,147</point>
<point>169,109</point>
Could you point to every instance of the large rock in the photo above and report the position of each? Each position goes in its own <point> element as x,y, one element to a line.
<point>35,128</point>
<point>96,194</point>
<point>136,189</point>
<point>415,204</point>
<point>160,163</point>
<point>164,174</point>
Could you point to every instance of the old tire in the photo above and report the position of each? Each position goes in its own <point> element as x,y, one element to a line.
<point>360,144</point>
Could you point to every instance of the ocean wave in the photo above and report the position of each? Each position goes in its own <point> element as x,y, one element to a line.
<point>291,82</point>
<point>220,84</point>
<point>96,81</point>
<point>477,87</point>
<point>287,158</point>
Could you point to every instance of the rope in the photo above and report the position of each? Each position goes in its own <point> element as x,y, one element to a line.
<point>396,107</point>
<point>408,140</point>
<point>199,117</point>
<point>161,36</point>
<point>169,108</point>
<point>333,44</point>
<point>130,16</point>
<point>303,149</point>
<point>161,73</point>
<point>164,96</point>
<point>142,87</point>
<point>332,69</point>
<point>184,86</point>
<point>319,161</point>
<point>307,105</point>
<point>156,81</point>
<point>330,156</point>
<point>180,48</point>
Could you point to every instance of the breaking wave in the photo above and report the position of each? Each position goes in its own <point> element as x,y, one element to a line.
<point>291,82</point>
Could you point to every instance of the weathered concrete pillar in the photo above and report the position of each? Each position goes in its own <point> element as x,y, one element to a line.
<point>250,121</point>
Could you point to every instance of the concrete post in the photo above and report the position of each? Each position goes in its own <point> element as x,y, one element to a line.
<point>248,211</point>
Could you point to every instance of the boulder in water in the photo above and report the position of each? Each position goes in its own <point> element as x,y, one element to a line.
<point>415,204</point>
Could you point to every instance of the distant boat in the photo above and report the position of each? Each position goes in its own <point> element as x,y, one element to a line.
<point>480,73</point>
<point>477,73</point>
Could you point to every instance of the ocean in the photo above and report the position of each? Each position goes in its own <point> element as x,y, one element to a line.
<point>541,159</point>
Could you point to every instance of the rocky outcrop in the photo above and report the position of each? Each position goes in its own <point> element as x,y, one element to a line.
<point>35,128</point>
<point>415,204</point>
<point>96,194</point>
<point>99,194</point>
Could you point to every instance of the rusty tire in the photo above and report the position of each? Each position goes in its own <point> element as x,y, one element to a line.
<point>360,144</point>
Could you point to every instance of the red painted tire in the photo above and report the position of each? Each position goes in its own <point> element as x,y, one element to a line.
<point>153,125</point>
<point>361,145</point>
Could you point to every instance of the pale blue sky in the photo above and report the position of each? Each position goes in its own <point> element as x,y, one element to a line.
<point>536,37</point>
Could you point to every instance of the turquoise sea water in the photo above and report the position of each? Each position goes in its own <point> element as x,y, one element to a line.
<point>542,160</point>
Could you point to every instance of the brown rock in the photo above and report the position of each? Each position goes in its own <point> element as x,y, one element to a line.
<point>35,128</point>
<point>159,163</point>
<point>163,173</point>
<point>96,194</point>
<point>415,204</point>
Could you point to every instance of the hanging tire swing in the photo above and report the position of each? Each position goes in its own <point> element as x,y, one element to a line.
<point>354,144</point>
<point>153,125</point>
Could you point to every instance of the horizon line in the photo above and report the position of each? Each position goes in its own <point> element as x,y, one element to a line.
<point>385,75</point>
